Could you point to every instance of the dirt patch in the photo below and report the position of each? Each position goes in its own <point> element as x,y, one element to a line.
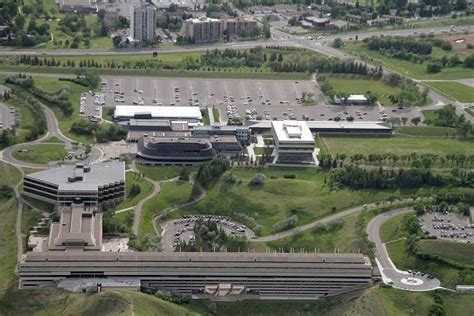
<point>459,42</point>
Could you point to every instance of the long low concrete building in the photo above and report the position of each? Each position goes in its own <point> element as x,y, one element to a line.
<point>206,275</point>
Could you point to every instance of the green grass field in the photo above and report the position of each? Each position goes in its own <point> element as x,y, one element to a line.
<point>52,84</point>
<point>108,114</point>
<point>460,92</point>
<point>216,114</point>
<point>146,187</point>
<point>159,173</point>
<point>449,250</point>
<point>26,118</point>
<point>426,131</point>
<point>307,196</point>
<point>9,175</point>
<point>398,145</point>
<point>403,260</point>
<point>40,153</point>
<point>170,194</point>
<point>393,229</point>
<point>8,248</point>
<point>356,84</point>
<point>407,68</point>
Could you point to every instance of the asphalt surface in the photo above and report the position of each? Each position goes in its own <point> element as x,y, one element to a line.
<point>182,230</point>
<point>6,118</point>
<point>390,274</point>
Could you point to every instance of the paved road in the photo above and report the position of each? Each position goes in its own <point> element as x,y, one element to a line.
<point>390,274</point>
<point>6,118</point>
<point>278,38</point>
<point>53,130</point>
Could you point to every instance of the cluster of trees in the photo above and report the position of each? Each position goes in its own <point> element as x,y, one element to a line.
<point>398,44</point>
<point>209,237</point>
<point>39,127</point>
<point>360,178</point>
<point>415,160</point>
<point>211,171</point>
<point>103,132</point>
<point>357,177</point>
<point>286,223</point>
<point>229,58</point>
<point>114,226</point>
<point>447,117</point>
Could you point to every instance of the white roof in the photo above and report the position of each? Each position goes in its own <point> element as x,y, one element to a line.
<point>202,19</point>
<point>158,111</point>
<point>296,131</point>
<point>357,97</point>
<point>375,125</point>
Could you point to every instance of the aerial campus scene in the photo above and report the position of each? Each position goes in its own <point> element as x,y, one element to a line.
<point>236,157</point>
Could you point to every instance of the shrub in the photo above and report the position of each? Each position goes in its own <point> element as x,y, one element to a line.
<point>258,179</point>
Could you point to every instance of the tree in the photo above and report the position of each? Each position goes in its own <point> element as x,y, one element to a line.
<point>434,67</point>
<point>101,14</point>
<point>469,61</point>
<point>416,120</point>
<point>338,43</point>
<point>134,190</point>
<point>185,174</point>
<point>117,40</point>
<point>20,21</point>
<point>258,179</point>
<point>464,129</point>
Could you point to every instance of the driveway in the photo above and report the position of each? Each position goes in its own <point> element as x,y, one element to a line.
<point>390,274</point>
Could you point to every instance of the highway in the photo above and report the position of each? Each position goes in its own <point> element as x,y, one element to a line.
<point>390,274</point>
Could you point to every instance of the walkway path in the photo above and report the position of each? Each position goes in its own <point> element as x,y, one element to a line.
<point>324,220</point>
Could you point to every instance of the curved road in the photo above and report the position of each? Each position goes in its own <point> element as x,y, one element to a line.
<point>53,130</point>
<point>390,274</point>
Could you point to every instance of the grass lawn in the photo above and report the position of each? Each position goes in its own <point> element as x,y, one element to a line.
<point>52,84</point>
<point>146,187</point>
<point>159,173</point>
<point>398,145</point>
<point>407,68</point>
<point>41,205</point>
<point>456,90</point>
<point>9,175</point>
<point>307,196</point>
<point>8,211</point>
<point>55,301</point>
<point>171,193</point>
<point>53,139</point>
<point>345,239</point>
<point>393,229</point>
<point>216,114</point>
<point>455,251</point>
<point>357,84</point>
<point>108,114</point>
<point>40,153</point>
<point>26,121</point>
<point>205,117</point>
<point>403,260</point>
<point>426,131</point>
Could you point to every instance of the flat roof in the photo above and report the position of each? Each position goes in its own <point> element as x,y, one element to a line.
<point>375,125</point>
<point>357,97</point>
<point>158,111</point>
<point>100,174</point>
<point>288,131</point>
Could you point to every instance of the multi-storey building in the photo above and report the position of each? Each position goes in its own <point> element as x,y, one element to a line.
<point>142,23</point>
<point>91,185</point>
<point>233,27</point>
<point>202,29</point>
<point>294,143</point>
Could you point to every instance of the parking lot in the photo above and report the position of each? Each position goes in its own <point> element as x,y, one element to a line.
<point>251,99</point>
<point>448,225</point>
<point>180,230</point>
<point>7,117</point>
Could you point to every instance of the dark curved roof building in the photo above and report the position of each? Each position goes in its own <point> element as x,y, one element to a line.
<point>171,150</point>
